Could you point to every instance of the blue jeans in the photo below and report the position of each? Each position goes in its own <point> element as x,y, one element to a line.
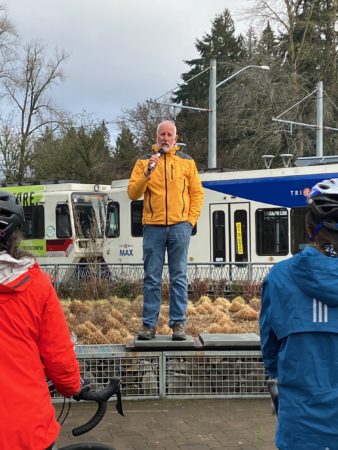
<point>156,241</point>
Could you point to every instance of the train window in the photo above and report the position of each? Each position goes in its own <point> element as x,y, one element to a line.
<point>34,224</point>
<point>62,219</point>
<point>272,231</point>
<point>89,215</point>
<point>136,208</point>
<point>218,228</point>
<point>85,224</point>
<point>241,235</point>
<point>113,220</point>
<point>298,234</point>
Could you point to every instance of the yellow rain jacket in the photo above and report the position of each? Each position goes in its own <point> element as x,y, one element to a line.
<point>173,193</point>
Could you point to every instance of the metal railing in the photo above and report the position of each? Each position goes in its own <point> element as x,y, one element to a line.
<point>209,278</point>
<point>63,273</point>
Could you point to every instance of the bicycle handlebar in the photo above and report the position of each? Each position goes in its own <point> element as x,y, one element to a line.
<point>98,416</point>
<point>100,397</point>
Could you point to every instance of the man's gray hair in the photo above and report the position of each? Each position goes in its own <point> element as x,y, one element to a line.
<point>167,120</point>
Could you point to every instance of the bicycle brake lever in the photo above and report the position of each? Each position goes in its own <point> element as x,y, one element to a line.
<point>119,407</point>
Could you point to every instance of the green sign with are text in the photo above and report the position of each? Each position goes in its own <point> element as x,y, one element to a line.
<point>36,247</point>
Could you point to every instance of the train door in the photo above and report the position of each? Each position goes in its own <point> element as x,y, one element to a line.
<point>239,232</point>
<point>229,226</point>
<point>219,242</point>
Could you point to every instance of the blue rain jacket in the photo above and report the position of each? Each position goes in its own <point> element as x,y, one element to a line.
<point>299,339</point>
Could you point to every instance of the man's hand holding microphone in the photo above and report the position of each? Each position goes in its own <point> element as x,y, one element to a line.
<point>153,162</point>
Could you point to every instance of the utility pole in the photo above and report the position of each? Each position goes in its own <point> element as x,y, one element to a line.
<point>213,85</point>
<point>319,127</point>
<point>212,133</point>
<point>319,132</point>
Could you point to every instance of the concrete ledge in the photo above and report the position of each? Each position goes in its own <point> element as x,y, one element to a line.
<point>203,341</point>
<point>164,342</point>
<point>230,340</point>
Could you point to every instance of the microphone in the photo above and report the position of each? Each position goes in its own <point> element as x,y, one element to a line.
<point>153,163</point>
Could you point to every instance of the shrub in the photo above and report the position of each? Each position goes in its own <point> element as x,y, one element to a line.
<point>126,288</point>
<point>199,287</point>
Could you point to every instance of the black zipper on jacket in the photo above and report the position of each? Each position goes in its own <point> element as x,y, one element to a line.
<point>166,189</point>
<point>183,198</point>
<point>150,207</point>
<point>172,172</point>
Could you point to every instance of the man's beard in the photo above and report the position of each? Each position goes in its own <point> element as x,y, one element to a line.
<point>167,148</point>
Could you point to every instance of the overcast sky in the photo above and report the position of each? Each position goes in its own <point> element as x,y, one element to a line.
<point>121,52</point>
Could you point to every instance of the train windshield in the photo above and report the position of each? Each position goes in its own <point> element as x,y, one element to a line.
<point>89,215</point>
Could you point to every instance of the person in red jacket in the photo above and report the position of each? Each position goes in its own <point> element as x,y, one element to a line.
<point>35,342</point>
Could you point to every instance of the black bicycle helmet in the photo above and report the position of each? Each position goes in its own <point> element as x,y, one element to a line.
<point>323,201</point>
<point>11,215</point>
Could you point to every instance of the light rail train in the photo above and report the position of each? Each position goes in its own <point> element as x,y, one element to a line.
<point>64,222</point>
<point>252,216</point>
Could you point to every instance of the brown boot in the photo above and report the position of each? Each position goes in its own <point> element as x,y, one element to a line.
<point>146,333</point>
<point>179,332</point>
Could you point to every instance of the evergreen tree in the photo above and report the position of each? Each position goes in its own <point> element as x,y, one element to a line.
<point>221,43</point>
<point>268,44</point>
<point>82,154</point>
<point>125,154</point>
<point>307,53</point>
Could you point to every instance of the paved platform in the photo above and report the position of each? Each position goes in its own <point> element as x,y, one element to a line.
<point>228,424</point>
<point>163,342</point>
<point>230,341</point>
<point>203,341</point>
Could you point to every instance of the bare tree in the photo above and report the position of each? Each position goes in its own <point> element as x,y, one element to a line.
<point>8,42</point>
<point>27,88</point>
<point>142,121</point>
<point>305,53</point>
<point>284,16</point>
<point>9,150</point>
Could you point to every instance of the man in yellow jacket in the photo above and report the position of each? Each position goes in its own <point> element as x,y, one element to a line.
<point>173,196</point>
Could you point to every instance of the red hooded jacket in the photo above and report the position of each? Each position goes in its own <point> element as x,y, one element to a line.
<point>35,343</point>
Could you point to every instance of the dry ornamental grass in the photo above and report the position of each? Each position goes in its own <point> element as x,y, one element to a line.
<point>116,320</point>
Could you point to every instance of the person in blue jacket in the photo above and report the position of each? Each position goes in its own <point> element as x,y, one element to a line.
<point>299,330</point>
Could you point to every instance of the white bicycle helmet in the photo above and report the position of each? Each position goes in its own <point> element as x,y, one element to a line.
<point>323,200</point>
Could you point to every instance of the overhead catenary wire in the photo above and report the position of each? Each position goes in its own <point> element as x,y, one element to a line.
<point>182,84</point>
<point>330,100</point>
<point>278,118</point>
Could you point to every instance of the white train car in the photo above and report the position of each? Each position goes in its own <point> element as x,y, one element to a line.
<point>64,222</point>
<point>247,217</point>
